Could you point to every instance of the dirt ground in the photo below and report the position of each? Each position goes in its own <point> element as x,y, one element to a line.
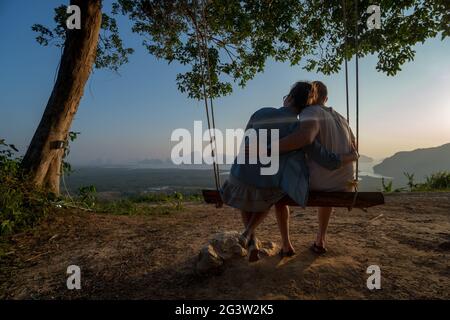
<point>152,257</point>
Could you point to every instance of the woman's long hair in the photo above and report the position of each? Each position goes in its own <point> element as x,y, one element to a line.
<point>300,93</point>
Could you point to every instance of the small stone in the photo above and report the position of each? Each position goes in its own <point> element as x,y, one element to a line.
<point>269,248</point>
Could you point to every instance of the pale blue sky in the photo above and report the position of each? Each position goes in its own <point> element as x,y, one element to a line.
<point>130,117</point>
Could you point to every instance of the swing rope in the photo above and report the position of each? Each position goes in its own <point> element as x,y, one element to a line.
<point>214,149</point>
<point>357,101</point>
<point>346,60</point>
<point>203,56</point>
<point>357,85</point>
<point>349,200</point>
<point>356,178</point>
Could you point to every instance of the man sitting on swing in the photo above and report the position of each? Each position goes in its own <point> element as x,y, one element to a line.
<point>333,131</point>
<point>255,194</point>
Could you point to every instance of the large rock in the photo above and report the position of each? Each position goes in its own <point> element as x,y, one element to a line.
<point>225,246</point>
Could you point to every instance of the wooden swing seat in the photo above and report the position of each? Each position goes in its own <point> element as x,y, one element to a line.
<point>320,199</point>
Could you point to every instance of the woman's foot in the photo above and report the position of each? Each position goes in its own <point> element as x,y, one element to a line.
<point>320,250</point>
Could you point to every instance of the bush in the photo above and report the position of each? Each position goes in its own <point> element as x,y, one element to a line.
<point>88,196</point>
<point>439,181</point>
<point>387,187</point>
<point>411,184</point>
<point>21,204</point>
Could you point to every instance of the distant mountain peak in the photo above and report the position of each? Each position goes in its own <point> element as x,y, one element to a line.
<point>421,162</point>
<point>365,159</point>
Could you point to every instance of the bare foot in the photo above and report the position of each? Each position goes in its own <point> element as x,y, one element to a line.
<point>320,242</point>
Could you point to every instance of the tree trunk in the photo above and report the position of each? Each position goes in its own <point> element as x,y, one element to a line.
<point>51,180</point>
<point>43,158</point>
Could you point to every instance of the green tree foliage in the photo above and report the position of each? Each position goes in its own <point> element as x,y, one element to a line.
<point>242,35</point>
<point>111,54</point>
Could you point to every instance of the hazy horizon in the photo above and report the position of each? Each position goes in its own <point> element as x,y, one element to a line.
<point>100,162</point>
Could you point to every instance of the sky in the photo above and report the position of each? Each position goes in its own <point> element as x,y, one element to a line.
<point>127,117</point>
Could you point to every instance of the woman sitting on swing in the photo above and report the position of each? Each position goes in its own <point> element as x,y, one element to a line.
<point>255,194</point>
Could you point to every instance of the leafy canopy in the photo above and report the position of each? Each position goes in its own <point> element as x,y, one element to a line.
<point>111,53</point>
<point>230,40</point>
